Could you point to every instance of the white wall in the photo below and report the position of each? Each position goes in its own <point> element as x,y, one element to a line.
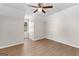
<point>38,32</point>
<point>64,26</point>
<point>11,31</point>
<point>31,29</point>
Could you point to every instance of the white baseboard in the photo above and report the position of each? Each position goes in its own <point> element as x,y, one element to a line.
<point>63,42</point>
<point>13,44</point>
<point>54,39</point>
<point>39,37</point>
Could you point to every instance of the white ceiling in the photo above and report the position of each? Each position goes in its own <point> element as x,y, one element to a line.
<point>20,9</point>
<point>12,9</point>
<point>56,8</point>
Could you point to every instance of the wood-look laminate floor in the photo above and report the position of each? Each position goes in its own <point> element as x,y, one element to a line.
<point>43,47</point>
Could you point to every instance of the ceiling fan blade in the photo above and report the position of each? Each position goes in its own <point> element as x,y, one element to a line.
<point>43,11</point>
<point>32,6</point>
<point>35,10</point>
<point>48,7</point>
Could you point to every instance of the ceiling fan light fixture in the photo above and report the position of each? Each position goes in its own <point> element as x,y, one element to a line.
<point>39,9</point>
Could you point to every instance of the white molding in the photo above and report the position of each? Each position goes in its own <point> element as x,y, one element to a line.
<point>39,37</point>
<point>54,39</point>
<point>10,45</point>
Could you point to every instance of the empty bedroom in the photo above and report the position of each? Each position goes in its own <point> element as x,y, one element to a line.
<point>39,29</point>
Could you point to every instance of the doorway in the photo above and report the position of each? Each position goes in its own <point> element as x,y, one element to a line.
<point>26,29</point>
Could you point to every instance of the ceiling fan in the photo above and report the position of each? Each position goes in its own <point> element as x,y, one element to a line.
<point>40,7</point>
